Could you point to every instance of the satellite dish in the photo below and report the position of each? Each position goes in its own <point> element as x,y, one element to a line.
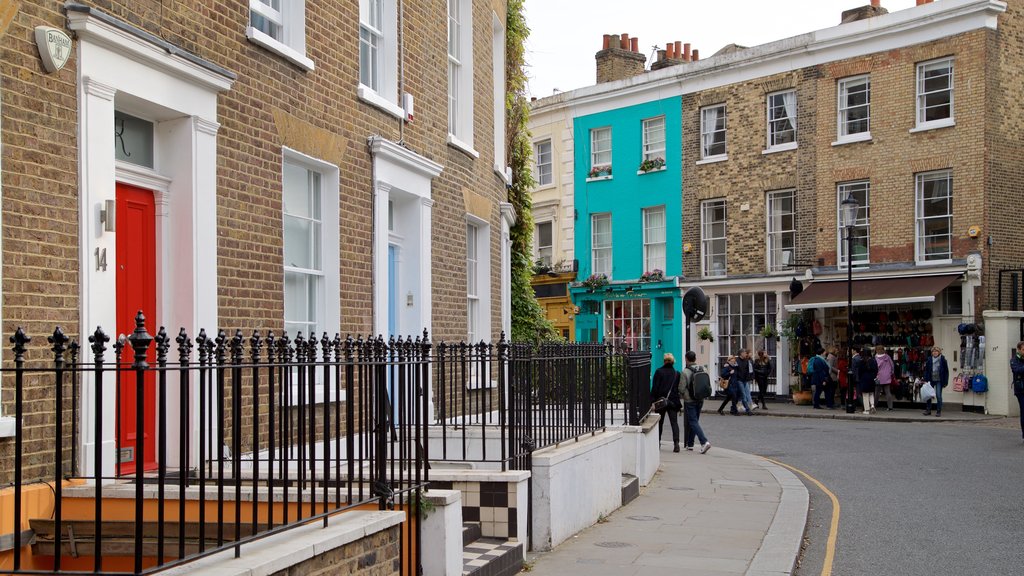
<point>695,304</point>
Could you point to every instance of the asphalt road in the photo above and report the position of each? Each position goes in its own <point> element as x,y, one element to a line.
<point>928,499</point>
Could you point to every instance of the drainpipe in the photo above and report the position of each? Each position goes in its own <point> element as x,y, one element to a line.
<point>401,70</point>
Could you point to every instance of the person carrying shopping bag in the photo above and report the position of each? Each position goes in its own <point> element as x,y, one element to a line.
<point>936,371</point>
<point>885,373</point>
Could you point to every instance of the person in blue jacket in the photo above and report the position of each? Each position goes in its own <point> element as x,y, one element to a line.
<point>936,371</point>
<point>1017,368</point>
<point>732,392</point>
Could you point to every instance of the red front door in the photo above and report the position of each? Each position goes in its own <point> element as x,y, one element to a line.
<point>136,290</point>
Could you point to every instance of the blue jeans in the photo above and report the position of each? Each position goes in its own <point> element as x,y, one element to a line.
<point>938,397</point>
<point>692,415</point>
<point>745,395</point>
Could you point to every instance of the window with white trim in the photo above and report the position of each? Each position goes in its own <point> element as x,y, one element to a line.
<point>935,93</point>
<point>627,324</point>
<point>654,238</point>
<point>542,157</point>
<point>472,283</point>
<point>378,55</point>
<point>601,244</point>
<point>782,119</point>
<point>712,237</point>
<point>600,148</point>
<point>654,138</point>
<point>280,26</point>
<point>855,106</point>
<point>781,229</point>
<point>542,243</point>
<point>861,231</point>
<point>934,216</point>
<point>712,131</point>
<point>460,71</point>
<point>371,38</point>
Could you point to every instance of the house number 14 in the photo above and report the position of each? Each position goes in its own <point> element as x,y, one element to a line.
<point>101,259</point>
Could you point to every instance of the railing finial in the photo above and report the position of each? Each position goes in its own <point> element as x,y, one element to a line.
<point>20,339</point>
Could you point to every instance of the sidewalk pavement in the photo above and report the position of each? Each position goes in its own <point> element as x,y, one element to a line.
<point>720,513</point>
<point>903,412</point>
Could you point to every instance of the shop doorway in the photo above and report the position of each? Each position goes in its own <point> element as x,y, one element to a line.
<point>135,291</point>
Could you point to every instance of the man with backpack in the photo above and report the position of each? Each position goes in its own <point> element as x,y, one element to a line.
<point>695,388</point>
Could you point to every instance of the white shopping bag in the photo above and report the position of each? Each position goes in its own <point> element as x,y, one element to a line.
<point>927,392</point>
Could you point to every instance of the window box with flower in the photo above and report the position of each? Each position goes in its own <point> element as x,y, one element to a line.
<point>655,164</point>
<point>655,275</point>
<point>595,281</point>
<point>600,172</point>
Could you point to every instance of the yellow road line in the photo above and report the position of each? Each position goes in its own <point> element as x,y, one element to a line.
<point>833,530</point>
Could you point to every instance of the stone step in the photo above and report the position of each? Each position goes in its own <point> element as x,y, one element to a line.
<point>492,557</point>
<point>630,488</point>
<point>470,533</point>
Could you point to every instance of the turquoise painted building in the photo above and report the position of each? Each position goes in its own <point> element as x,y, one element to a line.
<point>628,190</point>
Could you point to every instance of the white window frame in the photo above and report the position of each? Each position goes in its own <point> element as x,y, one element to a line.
<point>601,252</point>
<point>290,43</point>
<point>601,155</point>
<point>384,95</point>
<point>706,240</point>
<point>460,75</point>
<point>653,145</point>
<point>539,164</point>
<point>654,239</point>
<point>775,121</point>
<point>920,240</point>
<point>328,306</point>
<point>863,225</point>
<point>627,324</point>
<point>544,252</point>
<point>843,110</point>
<point>776,233</point>
<point>923,95</point>
<point>478,296</point>
<point>709,134</point>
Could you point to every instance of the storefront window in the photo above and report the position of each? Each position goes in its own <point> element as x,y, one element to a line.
<point>741,317</point>
<point>627,324</point>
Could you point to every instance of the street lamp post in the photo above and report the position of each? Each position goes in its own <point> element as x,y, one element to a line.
<point>848,214</point>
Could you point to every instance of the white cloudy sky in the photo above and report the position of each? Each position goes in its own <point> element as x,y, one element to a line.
<point>565,34</point>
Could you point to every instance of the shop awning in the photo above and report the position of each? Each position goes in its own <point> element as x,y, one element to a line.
<point>877,291</point>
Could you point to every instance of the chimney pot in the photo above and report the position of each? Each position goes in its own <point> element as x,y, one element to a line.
<point>696,55</point>
<point>607,43</point>
<point>661,55</point>
<point>624,41</point>
<point>686,51</point>
<point>634,44</point>
<point>670,51</point>
<point>679,49</point>
<point>877,3</point>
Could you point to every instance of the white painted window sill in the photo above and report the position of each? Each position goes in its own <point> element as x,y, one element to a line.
<point>926,263</point>
<point>504,173</point>
<point>282,50</point>
<point>544,186</point>
<point>371,97</point>
<point>464,147</point>
<point>780,148</point>
<point>853,138</point>
<point>599,178</point>
<point>713,159</point>
<point>934,125</point>
<point>642,172</point>
<point>6,427</point>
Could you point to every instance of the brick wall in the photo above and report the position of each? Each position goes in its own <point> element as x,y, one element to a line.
<point>376,555</point>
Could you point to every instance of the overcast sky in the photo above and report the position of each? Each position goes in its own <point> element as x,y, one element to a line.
<point>565,34</point>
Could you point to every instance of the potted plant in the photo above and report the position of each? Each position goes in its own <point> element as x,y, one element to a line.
<point>800,397</point>
<point>655,275</point>
<point>595,281</point>
<point>705,334</point>
<point>768,332</point>
<point>651,164</point>
<point>600,170</point>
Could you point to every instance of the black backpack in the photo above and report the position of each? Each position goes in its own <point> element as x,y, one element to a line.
<point>700,384</point>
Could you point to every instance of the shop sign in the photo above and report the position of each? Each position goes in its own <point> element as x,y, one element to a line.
<point>54,47</point>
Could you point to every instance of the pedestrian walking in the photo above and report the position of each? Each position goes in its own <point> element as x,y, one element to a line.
<point>1017,368</point>
<point>745,377</point>
<point>666,385</point>
<point>865,370</point>
<point>886,369</point>
<point>936,370</point>
<point>818,369</point>
<point>762,371</point>
<point>832,359</point>
<point>728,373</point>
<point>692,406</point>
<point>843,367</point>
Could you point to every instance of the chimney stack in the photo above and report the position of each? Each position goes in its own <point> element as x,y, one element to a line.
<point>696,55</point>
<point>619,58</point>
<point>686,52</point>
<point>864,12</point>
<point>673,54</point>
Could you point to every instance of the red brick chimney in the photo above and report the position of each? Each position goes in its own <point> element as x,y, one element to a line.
<point>864,12</point>
<point>619,58</point>
<point>673,54</point>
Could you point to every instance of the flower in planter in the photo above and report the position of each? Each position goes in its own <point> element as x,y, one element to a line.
<point>595,281</point>
<point>655,275</point>
<point>652,164</point>
<point>768,332</point>
<point>600,170</point>
<point>705,334</point>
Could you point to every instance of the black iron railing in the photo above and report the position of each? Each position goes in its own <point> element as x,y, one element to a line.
<point>262,434</point>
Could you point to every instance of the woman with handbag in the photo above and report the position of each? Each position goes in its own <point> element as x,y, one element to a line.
<point>1017,368</point>
<point>886,368</point>
<point>728,377</point>
<point>666,387</point>
<point>936,371</point>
